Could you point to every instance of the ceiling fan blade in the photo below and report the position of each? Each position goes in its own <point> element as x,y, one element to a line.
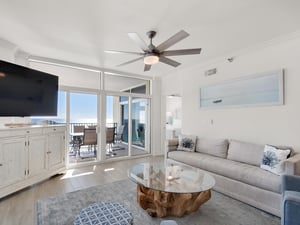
<point>182,52</point>
<point>123,52</point>
<point>131,61</point>
<point>168,61</point>
<point>138,40</point>
<point>147,67</point>
<point>172,40</point>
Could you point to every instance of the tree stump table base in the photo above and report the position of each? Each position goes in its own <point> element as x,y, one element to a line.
<point>161,204</point>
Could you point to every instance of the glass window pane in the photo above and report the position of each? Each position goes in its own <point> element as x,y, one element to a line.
<point>140,128</point>
<point>139,90</point>
<point>83,132</point>
<point>116,122</point>
<point>83,108</point>
<point>126,84</point>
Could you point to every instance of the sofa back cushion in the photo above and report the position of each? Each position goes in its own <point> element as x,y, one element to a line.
<point>245,152</point>
<point>215,147</point>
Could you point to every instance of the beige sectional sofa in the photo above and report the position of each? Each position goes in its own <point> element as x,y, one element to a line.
<point>235,165</point>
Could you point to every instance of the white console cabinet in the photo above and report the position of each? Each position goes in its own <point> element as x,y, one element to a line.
<point>56,142</point>
<point>29,155</point>
<point>12,160</point>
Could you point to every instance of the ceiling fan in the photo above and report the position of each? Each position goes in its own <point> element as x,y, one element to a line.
<point>153,54</point>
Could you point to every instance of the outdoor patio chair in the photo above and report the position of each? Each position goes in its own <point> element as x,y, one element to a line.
<point>119,134</point>
<point>89,139</point>
<point>78,128</point>
<point>110,139</point>
<point>77,136</point>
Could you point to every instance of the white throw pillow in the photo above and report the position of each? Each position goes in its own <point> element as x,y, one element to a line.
<point>273,159</point>
<point>187,143</point>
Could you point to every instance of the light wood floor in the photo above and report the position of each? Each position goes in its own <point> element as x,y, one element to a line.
<point>19,208</point>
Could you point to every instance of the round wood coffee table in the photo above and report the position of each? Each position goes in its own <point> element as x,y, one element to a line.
<point>170,189</point>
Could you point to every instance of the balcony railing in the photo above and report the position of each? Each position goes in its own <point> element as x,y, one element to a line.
<point>89,125</point>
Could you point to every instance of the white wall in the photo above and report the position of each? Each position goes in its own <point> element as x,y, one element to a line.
<point>7,51</point>
<point>69,76</point>
<point>156,122</point>
<point>277,125</point>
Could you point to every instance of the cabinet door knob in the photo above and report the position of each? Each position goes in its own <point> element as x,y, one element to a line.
<point>1,164</point>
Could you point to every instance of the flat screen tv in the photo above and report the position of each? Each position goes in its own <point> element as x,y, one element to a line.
<point>27,92</point>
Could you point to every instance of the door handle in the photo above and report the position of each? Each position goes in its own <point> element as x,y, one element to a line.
<point>1,164</point>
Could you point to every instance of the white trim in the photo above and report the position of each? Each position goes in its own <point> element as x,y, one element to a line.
<point>56,62</point>
<point>79,89</point>
<point>129,125</point>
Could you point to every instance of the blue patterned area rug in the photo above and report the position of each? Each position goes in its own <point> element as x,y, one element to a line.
<point>219,210</point>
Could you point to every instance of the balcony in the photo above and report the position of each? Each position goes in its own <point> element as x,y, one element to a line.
<point>81,150</point>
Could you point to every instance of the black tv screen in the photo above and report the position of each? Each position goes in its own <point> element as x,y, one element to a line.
<point>27,92</point>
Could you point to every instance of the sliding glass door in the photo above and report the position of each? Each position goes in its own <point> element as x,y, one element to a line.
<point>140,126</point>
<point>116,124</point>
<point>129,118</point>
<point>83,127</point>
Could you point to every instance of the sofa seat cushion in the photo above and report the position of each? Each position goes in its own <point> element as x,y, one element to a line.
<point>216,147</point>
<point>242,172</point>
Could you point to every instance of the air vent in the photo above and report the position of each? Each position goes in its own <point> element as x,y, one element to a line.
<point>210,72</point>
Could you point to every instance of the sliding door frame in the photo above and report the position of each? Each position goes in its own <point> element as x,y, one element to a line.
<point>101,120</point>
<point>130,97</point>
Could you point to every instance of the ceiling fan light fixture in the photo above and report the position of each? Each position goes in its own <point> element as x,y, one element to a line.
<point>151,59</point>
<point>153,54</point>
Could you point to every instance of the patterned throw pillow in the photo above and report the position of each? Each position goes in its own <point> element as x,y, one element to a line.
<point>187,143</point>
<point>273,159</point>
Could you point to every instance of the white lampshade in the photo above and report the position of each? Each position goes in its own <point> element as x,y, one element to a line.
<point>151,59</point>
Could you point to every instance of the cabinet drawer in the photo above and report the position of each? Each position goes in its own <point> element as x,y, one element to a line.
<point>5,133</point>
<point>54,129</point>
<point>12,133</point>
<point>34,131</point>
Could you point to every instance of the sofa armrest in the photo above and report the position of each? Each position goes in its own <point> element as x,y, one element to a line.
<point>171,145</point>
<point>292,165</point>
<point>290,207</point>
<point>290,183</point>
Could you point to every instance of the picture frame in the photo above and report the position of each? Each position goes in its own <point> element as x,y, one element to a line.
<point>255,90</point>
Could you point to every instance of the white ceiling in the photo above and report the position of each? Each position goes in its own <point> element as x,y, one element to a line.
<point>80,31</point>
